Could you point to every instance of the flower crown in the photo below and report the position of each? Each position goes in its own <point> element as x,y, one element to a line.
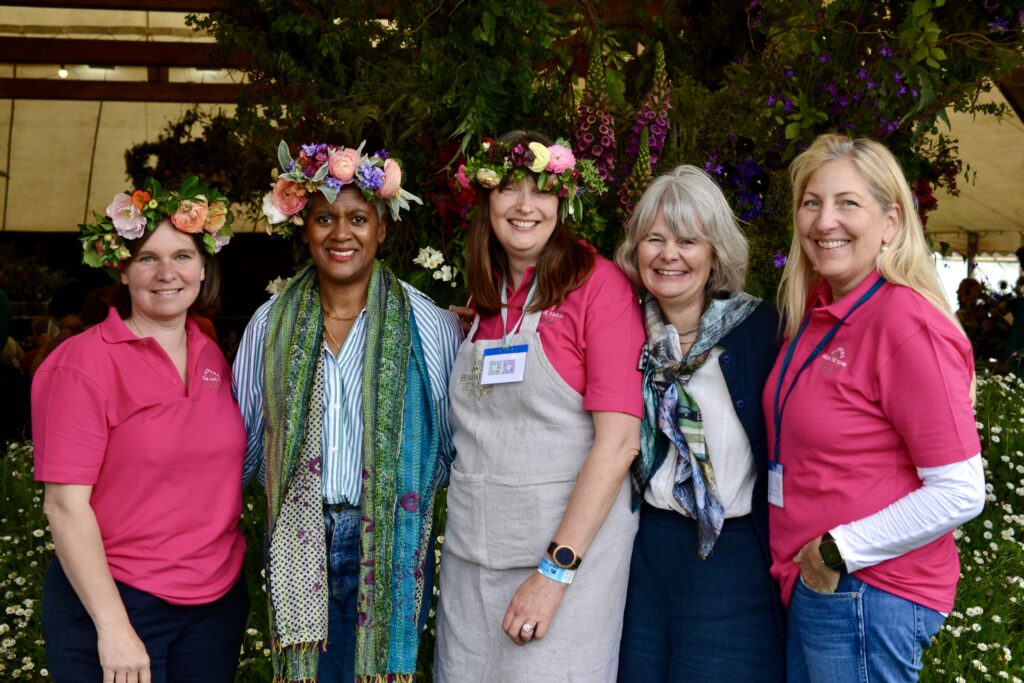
<point>326,169</point>
<point>557,169</point>
<point>193,209</point>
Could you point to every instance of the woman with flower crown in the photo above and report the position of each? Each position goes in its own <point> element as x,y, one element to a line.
<point>129,418</point>
<point>342,378</point>
<point>545,404</point>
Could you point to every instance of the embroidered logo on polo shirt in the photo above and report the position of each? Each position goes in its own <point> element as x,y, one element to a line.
<point>550,315</point>
<point>211,378</point>
<point>833,360</point>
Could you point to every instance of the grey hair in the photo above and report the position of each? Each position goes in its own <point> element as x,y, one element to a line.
<point>693,206</point>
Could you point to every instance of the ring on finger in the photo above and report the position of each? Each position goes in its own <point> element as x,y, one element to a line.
<point>527,628</point>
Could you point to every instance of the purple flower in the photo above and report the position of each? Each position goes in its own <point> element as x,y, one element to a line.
<point>787,104</point>
<point>832,89</point>
<point>872,85</point>
<point>897,76</point>
<point>779,259</point>
<point>332,182</point>
<point>789,73</point>
<point>914,93</point>
<point>369,176</point>
<point>382,154</point>
<point>884,51</point>
<point>771,100</point>
<point>824,57</point>
<point>902,91</point>
<point>999,25</point>
<point>862,74</point>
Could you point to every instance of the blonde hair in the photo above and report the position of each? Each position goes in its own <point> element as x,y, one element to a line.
<point>692,205</point>
<point>906,261</point>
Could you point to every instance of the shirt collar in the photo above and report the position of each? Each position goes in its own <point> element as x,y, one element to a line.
<point>823,297</point>
<point>114,331</point>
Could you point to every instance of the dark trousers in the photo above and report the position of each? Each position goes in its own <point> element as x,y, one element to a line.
<point>185,643</point>
<point>693,620</point>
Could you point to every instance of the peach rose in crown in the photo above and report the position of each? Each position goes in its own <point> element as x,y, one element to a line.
<point>343,164</point>
<point>191,215</point>
<point>216,218</point>
<point>392,180</point>
<point>289,198</point>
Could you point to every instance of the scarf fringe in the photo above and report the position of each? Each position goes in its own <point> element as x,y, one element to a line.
<point>386,678</point>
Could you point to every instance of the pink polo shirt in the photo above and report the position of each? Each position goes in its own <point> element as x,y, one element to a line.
<point>593,338</point>
<point>889,394</point>
<point>164,460</point>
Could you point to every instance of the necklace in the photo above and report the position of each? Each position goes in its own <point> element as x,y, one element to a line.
<point>331,336</point>
<point>338,317</point>
<point>689,332</point>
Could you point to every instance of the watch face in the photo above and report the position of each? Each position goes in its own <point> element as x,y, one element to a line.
<point>830,555</point>
<point>564,556</point>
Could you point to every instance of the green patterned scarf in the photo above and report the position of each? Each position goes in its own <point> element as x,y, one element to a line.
<point>400,446</point>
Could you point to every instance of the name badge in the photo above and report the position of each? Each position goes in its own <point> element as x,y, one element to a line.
<point>502,366</point>
<point>775,483</point>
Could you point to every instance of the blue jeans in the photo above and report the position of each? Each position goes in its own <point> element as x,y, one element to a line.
<point>859,634</point>
<point>337,663</point>
<point>687,619</point>
<point>185,643</point>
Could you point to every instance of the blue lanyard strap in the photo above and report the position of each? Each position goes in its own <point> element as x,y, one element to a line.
<point>818,349</point>
<point>506,336</point>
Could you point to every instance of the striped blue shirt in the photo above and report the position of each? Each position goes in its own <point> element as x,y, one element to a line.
<point>342,441</point>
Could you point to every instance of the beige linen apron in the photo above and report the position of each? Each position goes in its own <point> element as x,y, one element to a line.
<point>519,448</point>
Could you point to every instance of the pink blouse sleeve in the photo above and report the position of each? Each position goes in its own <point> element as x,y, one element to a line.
<point>69,426</point>
<point>613,338</point>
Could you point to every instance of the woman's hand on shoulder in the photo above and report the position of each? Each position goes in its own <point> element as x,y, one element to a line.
<point>123,655</point>
<point>466,316</point>
<point>815,574</point>
<point>534,605</point>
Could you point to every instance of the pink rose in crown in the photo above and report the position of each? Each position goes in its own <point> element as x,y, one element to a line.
<point>127,219</point>
<point>343,164</point>
<point>216,218</point>
<point>191,215</point>
<point>289,198</point>
<point>460,176</point>
<point>561,158</point>
<point>392,180</point>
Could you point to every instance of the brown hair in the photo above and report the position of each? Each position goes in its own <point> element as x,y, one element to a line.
<point>563,265</point>
<point>209,290</point>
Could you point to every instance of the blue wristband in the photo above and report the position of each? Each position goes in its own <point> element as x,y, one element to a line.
<point>554,572</point>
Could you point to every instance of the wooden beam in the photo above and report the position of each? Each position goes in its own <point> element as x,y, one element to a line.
<point>197,6</point>
<point>116,91</point>
<point>115,53</point>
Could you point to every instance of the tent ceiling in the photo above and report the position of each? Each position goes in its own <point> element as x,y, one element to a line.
<point>133,66</point>
<point>988,215</point>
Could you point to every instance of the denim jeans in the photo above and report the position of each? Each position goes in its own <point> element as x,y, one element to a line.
<point>717,620</point>
<point>859,634</point>
<point>337,663</point>
<point>185,643</point>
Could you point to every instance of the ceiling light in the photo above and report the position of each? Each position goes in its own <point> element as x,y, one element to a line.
<point>62,71</point>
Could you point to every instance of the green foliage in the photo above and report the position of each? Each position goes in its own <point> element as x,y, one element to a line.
<point>754,83</point>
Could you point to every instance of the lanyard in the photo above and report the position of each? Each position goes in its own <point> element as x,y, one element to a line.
<point>777,408</point>
<point>505,336</point>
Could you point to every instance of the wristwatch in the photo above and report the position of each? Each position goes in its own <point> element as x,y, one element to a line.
<point>564,556</point>
<point>830,554</point>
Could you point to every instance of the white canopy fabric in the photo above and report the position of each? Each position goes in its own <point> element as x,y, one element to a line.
<point>64,159</point>
<point>988,215</point>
